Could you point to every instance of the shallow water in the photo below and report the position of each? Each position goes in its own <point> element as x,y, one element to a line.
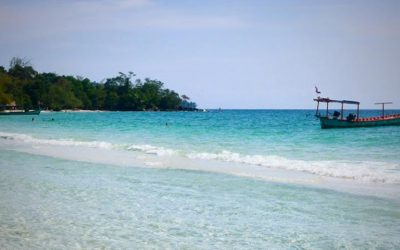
<point>286,139</point>
<point>52,203</point>
<point>83,181</point>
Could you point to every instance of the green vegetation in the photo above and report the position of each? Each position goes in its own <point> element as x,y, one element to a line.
<point>25,87</point>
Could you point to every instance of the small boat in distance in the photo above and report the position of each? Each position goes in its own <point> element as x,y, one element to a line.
<point>353,120</point>
<point>15,110</point>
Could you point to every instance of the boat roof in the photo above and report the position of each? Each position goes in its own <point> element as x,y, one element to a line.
<point>327,100</point>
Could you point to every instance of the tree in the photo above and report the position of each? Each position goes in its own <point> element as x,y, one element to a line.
<point>26,87</point>
<point>62,96</point>
<point>170,100</point>
<point>5,82</point>
<point>21,68</point>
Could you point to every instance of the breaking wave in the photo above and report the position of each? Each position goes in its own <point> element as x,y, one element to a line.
<point>364,171</point>
<point>149,149</point>
<point>55,142</point>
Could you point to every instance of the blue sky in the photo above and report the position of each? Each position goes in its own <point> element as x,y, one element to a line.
<point>229,54</point>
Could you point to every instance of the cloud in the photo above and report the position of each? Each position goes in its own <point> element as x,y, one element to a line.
<point>127,4</point>
<point>187,22</point>
<point>110,5</point>
<point>47,19</point>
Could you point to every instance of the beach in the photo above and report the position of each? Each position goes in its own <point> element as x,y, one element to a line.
<point>242,179</point>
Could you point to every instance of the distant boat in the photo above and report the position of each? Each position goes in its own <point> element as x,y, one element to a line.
<point>12,110</point>
<point>30,112</point>
<point>353,120</point>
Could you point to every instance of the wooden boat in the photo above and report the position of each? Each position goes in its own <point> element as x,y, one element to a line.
<point>353,120</point>
<point>15,110</point>
<point>29,112</point>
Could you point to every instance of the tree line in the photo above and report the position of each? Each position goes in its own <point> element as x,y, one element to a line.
<point>23,86</point>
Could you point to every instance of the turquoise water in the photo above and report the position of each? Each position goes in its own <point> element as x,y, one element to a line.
<point>83,180</point>
<point>290,134</point>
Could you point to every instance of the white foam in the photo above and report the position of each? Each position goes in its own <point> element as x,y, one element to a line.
<point>58,142</point>
<point>149,149</point>
<point>364,171</point>
<point>361,171</point>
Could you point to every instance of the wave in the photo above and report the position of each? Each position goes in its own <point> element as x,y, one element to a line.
<point>55,142</point>
<point>149,149</point>
<point>144,148</point>
<point>364,171</point>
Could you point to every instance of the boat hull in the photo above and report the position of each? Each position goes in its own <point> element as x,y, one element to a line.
<point>35,112</point>
<point>337,123</point>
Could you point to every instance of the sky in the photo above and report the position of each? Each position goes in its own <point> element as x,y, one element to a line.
<point>229,54</point>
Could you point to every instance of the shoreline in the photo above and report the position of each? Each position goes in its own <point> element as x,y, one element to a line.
<point>115,157</point>
<point>98,111</point>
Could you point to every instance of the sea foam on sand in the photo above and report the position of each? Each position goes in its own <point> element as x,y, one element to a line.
<point>340,176</point>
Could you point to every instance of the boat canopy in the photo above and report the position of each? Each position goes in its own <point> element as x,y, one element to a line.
<point>327,100</point>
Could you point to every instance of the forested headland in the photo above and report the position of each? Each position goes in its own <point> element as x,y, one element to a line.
<point>21,85</point>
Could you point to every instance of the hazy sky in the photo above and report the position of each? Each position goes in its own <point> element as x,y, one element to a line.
<point>229,54</point>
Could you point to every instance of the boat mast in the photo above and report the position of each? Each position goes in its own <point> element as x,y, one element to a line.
<point>316,112</point>
<point>327,109</point>
<point>383,107</point>
<point>341,112</point>
<point>358,111</point>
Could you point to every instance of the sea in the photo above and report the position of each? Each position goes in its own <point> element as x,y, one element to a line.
<point>220,179</point>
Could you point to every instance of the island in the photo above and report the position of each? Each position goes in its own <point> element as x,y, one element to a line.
<point>22,86</point>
